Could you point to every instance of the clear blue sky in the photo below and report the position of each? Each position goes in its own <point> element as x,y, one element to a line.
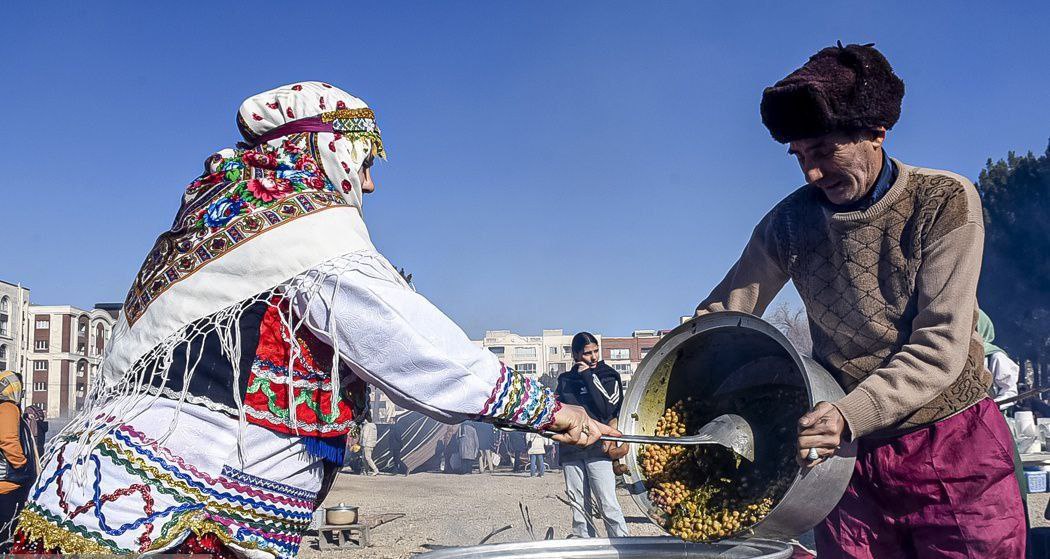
<point>578,165</point>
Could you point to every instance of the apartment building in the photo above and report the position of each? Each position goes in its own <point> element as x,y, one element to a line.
<point>14,307</point>
<point>543,357</point>
<point>625,354</point>
<point>65,351</point>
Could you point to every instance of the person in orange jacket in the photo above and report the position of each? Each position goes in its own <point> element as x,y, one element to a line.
<point>18,471</point>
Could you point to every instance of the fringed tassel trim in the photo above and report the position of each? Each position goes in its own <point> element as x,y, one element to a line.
<point>67,538</point>
<point>70,539</point>
<point>332,449</point>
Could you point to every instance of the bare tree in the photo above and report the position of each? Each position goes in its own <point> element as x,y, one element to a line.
<point>794,323</point>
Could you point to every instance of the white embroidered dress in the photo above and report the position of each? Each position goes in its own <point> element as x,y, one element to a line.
<point>144,468</point>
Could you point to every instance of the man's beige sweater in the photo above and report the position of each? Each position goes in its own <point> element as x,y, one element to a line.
<point>890,293</point>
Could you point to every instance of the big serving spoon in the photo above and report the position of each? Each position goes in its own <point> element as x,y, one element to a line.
<point>729,430</point>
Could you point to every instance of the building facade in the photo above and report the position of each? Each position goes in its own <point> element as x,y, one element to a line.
<point>14,318</point>
<point>542,357</point>
<point>66,345</point>
<point>550,354</point>
<point>625,354</point>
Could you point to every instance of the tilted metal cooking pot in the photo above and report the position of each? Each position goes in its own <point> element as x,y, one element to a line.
<point>699,359</point>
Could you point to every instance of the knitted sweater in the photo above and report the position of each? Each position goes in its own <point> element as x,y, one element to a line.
<point>890,293</point>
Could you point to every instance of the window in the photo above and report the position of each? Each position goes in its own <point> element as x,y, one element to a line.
<point>623,369</point>
<point>619,354</point>
<point>43,324</point>
<point>3,357</point>
<point>41,345</point>
<point>566,349</point>
<point>529,351</point>
<point>81,347</point>
<point>40,386</point>
<point>645,351</point>
<point>39,365</point>
<point>497,349</point>
<point>80,388</point>
<point>81,368</point>
<point>554,350</point>
<point>5,304</point>
<point>557,368</point>
<point>4,331</point>
<point>526,368</point>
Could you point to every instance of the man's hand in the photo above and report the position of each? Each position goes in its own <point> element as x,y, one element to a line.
<point>824,429</point>
<point>575,427</point>
<point>615,450</point>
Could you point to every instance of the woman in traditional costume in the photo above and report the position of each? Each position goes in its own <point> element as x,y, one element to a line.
<point>219,416</point>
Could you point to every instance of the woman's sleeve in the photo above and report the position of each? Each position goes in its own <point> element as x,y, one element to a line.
<point>10,443</point>
<point>397,340</point>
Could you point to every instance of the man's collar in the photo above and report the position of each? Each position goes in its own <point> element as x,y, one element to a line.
<point>887,176</point>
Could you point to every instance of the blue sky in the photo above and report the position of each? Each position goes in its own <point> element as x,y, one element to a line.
<point>570,165</point>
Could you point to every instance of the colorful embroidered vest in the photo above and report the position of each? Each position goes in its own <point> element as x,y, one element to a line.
<point>268,379</point>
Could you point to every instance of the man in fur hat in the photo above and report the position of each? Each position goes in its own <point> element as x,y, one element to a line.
<point>886,257</point>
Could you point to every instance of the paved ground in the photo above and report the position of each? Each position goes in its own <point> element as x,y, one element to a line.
<point>451,510</point>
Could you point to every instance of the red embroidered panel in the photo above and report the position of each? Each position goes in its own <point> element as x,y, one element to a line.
<point>266,401</point>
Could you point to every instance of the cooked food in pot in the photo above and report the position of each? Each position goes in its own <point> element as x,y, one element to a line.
<point>708,492</point>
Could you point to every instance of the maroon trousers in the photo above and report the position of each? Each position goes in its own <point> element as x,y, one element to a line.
<point>947,490</point>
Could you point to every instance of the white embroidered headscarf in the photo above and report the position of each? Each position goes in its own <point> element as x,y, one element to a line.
<point>343,151</point>
<point>286,202</point>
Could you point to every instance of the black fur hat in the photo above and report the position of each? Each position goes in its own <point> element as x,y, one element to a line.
<point>843,88</point>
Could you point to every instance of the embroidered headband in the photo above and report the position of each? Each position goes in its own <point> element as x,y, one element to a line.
<point>353,123</point>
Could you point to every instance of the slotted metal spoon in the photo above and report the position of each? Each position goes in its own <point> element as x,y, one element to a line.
<point>729,430</point>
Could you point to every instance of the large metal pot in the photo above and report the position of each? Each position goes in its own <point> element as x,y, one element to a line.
<point>701,357</point>
<point>618,548</point>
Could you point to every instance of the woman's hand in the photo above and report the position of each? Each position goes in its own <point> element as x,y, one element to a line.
<point>575,427</point>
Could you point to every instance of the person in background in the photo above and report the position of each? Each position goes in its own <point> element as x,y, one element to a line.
<point>368,444</point>
<point>1005,372</point>
<point>595,386</point>
<point>553,460</point>
<point>35,418</point>
<point>468,447</point>
<point>537,454</point>
<point>41,435</point>
<point>499,447</point>
<point>19,452</point>
<point>397,449</point>
<point>486,446</point>
<point>517,447</point>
